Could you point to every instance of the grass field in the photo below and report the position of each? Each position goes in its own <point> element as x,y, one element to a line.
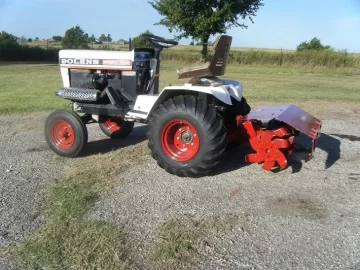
<point>65,239</point>
<point>31,87</point>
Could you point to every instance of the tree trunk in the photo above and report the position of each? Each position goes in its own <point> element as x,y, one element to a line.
<point>204,51</point>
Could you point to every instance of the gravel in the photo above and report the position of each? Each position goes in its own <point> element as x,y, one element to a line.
<point>26,167</point>
<point>305,217</point>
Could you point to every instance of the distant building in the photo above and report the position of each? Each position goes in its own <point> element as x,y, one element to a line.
<point>122,41</point>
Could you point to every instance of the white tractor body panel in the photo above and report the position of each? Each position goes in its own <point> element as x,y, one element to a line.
<point>65,76</point>
<point>145,104</point>
<point>96,59</point>
<point>223,92</point>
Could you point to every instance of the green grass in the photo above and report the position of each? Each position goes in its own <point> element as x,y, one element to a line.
<point>184,239</point>
<point>31,87</point>
<point>67,240</point>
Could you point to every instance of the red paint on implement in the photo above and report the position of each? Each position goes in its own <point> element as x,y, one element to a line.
<point>63,134</point>
<point>180,140</point>
<point>271,146</point>
<point>112,125</point>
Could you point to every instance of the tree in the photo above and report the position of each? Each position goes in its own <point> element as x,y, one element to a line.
<point>314,44</point>
<point>7,40</point>
<point>202,18</point>
<point>36,38</point>
<point>108,38</point>
<point>57,38</point>
<point>75,38</point>
<point>29,40</point>
<point>102,38</point>
<point>140,42</point>
<point>92,39</point>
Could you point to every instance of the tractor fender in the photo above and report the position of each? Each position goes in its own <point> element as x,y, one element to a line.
<point>222,92</point>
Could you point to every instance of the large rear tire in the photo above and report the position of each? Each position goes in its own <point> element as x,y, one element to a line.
<point>65,133</point>
<point>115,128</point>
<point>187,137</point>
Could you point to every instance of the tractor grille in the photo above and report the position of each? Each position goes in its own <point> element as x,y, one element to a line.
<point>78,94</point>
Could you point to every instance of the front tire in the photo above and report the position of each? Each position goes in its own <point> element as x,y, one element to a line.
<point>187,137</point>
<point>65,133</point>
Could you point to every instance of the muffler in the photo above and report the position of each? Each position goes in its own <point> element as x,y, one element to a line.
<point>79,94</point>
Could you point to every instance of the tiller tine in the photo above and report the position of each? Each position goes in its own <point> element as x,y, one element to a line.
<point>270,145</point>
<point>275,142</point>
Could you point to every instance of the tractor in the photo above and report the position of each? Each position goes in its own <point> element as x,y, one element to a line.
<point>190,126</point>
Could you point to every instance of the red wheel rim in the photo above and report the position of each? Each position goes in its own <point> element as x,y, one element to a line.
<point>180,140</point>
<point>112,125</point>
<point>63,134</point>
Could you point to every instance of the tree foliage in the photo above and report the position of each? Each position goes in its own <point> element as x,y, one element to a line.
<point>140,42</point>
<point>7,40</point>
<point>92,39</point>
<point>200,19</point>
<point>102,38</point>
<point>75,38</point>
<point>314,44</point>
<point>108,38</point>
<point>57,38</point>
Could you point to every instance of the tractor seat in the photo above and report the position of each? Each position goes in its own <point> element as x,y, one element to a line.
<point>195,71</point>
<point>217,65</point>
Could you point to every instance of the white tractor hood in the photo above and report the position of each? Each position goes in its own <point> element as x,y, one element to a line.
<point>96,59</point>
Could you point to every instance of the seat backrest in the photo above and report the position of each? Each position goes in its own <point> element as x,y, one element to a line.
<point>217,65</point>
<point>222,48</point>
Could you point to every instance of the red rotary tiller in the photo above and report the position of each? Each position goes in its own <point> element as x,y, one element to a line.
<point>273,143</point>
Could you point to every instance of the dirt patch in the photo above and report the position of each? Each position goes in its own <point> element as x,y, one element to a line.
<point>296,205</point>
<point>17,123</point>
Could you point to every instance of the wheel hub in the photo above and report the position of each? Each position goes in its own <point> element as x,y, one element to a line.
<point>63,134</point>
<point>187,137</point>
<point>180,140</point>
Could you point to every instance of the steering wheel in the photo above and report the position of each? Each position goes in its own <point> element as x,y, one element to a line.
<point>160,41</point>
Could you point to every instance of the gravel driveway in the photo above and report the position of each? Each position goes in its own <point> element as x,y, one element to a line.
<point>306,217</point>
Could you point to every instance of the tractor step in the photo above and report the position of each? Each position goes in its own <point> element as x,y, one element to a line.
<point>79,94</point>
<point>98,109</point>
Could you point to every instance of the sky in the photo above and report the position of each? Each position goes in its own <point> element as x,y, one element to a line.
<point>278,24</point>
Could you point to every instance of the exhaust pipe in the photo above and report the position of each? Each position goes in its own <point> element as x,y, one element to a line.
<point>79,94</point>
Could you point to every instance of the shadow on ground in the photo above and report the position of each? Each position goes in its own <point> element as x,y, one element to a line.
<point>107,145</point>
<point>234,158</point>
<point>325,142</point>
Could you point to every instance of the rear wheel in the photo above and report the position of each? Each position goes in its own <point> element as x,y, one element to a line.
<point>186,136</point>
<point>65,133</point>
<point>115,128</point>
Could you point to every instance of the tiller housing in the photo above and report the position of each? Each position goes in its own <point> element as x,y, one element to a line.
<point>190,125</point>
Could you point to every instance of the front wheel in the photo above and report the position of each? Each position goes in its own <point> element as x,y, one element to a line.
<point>65,133</point>
<point>186,136</point>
